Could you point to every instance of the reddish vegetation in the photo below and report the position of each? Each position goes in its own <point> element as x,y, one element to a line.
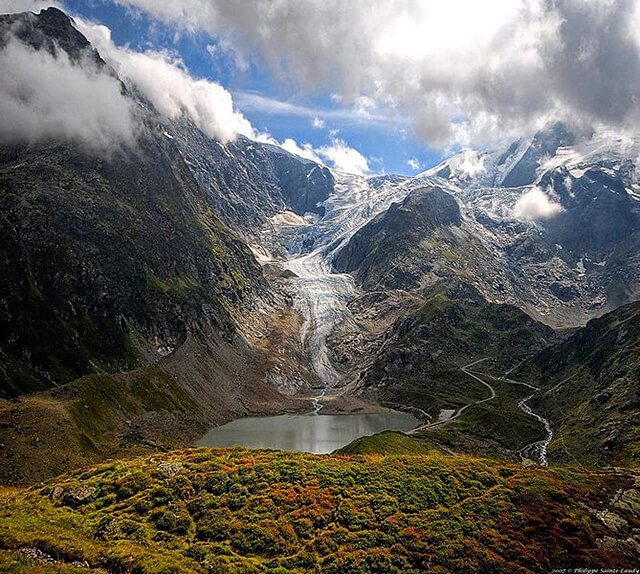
<point>246,511</point>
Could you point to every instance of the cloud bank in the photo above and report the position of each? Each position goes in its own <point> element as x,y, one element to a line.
<point>43,97</point>
<point>165,82</point>
<point>462,71</point>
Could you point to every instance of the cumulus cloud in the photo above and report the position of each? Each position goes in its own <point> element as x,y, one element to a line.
<point>414,164</point>
<point>165,82</point>
<point>535,205</point>
<point>344,158</point>
<point>45,96</point>
<point>462,71</point>
<point>318,123</point>
<point>305,150</point>
<point>337,154</point>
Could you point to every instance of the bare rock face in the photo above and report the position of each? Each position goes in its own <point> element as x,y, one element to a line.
<point>169,469</point>
<point>247,182</point>
<point>396,236</point>
<point>74,497</point>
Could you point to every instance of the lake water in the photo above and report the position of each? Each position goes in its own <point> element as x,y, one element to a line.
<point>305,433</point>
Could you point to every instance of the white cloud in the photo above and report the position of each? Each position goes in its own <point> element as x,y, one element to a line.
<point>305,150</point>
<point>535,205</point>
<point>363,105</point>
<point>470,164</point>
<point>344,158</point>
<point>43,96</point>
<point>337,154</point>
<point>318,123</point>
<point>163,79</point>
<point>463,71</point>
<point>225,51</point>
<point>414,164</point>
<point>254,102</point>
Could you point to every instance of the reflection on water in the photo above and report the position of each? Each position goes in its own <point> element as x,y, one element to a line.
<point>304,433</point>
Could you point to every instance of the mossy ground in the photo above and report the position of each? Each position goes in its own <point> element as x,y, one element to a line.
<point>388,442</point>
<point>236,510</point>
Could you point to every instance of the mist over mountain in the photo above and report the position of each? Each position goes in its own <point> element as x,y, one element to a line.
<point>176,275</point>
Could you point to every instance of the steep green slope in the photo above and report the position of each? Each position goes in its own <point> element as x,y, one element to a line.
<point>128,309</point>
<point>109,261</point>
<point>591,390</point>
<point>256,511</point>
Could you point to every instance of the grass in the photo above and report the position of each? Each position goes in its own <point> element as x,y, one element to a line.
<point>48,433</point>
<point>236,510</point>
<point>180,287</point>
<point>388,443</point>
<point>590,391</point>
<point>497,427</point>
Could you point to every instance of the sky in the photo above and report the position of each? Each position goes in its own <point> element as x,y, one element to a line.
<point>367,86</point>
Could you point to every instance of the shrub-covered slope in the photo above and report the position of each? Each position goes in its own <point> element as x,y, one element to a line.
<point>255,511</point>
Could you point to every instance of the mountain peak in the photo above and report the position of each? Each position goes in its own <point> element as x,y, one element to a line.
<point>51,29</point>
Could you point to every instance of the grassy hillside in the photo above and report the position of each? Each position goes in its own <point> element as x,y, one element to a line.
<point>159,407</point>
<point>418,365</point>
<point>236,510</point>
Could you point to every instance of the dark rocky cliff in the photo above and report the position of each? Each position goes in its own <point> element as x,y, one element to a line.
<point>107,261</point>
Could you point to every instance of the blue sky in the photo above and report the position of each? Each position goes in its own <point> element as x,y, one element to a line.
<point>272,104</point>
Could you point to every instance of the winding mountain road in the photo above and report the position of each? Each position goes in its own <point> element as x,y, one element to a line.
<point>536,449</point>
<point>466,371</point>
